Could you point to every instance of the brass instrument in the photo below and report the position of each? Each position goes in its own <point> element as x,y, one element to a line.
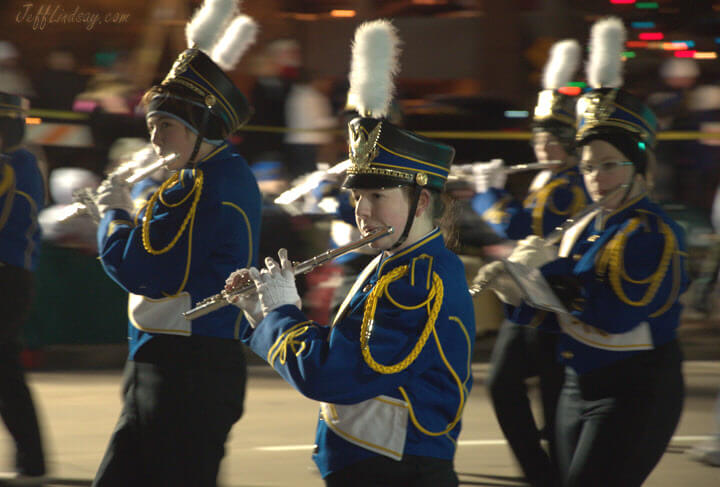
<point>222,299</point>
<point>557,234</point>
<point>128,173</point>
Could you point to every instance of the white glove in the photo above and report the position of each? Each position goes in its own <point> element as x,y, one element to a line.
<point>115,196</point>
<point>276,283</point>
<point>489,175</point>
<point>493,276</point>
<point>487,273</point>
<point>533,252</point>
<point>250,305</point>
<point>507,289</point>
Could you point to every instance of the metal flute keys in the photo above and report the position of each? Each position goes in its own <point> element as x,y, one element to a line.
<point>84,198</point>
<point>222,299</point>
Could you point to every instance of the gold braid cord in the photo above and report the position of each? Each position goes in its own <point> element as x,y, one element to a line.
<point>7,186</point>
<point>612,260</point>
<point>436,292</point>
<point>196,190</point>
<point>543,200</point>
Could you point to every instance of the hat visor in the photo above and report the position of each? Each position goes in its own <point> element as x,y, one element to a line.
<point>372,181</point>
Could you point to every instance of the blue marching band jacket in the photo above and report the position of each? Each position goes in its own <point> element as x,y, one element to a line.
<point>393,371</point>
<point>552,198</point>
<point>199,226</point>
<point>22,196</point>
<point>628,270</point>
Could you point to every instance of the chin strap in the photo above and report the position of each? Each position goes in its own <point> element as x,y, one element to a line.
<point>414,199</point>
<point>200,135</point>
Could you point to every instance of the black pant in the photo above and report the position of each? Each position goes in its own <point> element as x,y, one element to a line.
<point>181,397</point>
<point>16,404</point>
<point>613,424</point>
<point>411,471</point>
<point>521,352</point>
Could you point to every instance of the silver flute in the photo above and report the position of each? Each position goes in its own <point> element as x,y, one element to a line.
<point>246,288</point>
<point>459,174</point>
<point>557,234</point>
<point>84,198</point>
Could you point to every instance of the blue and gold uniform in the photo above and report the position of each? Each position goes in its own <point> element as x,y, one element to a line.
<point>553,196</point>
<point>185,382</point>
<point>623,363</point>
<point>620,272</point>
<point>393,371</point>
<point>198,226</point>
<point>552,199</point>
<point>22,196</point>
<point>629,268</point>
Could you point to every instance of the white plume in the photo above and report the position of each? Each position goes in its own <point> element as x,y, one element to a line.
<point>607,42</point>
<point>564,61</point>
<point>375,53</point>
<point>238,37</point>
<point>207,23</point>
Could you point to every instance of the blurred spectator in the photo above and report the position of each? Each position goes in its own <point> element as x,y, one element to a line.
<point>670,105</point>
<point>697,162</point>
<point>110,89</point>
<point>78,231</point>
<point>59,83</point>
<point>307,108</point>
<point>679,75</point>
<point>12,78</point>
<point>270,175</point>
<point>278,68</point>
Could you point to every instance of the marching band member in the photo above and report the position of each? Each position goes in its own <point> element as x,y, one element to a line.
<point>184,381</point>
<point>555,193</point>
<point>393,371</point>
<point>22,196</point>
<point>520,351</point>
<point>619,273</point>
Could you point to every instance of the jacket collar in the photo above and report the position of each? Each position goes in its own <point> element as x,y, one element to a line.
<point>430,244</point>
<point>223,151</point>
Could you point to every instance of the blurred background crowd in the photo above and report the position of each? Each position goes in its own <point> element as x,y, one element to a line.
<point>470,75</point>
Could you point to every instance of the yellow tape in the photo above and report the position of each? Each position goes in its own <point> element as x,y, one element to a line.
<point>440,134</point>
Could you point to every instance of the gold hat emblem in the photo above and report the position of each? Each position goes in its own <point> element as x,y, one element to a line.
<point>595,108</point>
<point>181,64</point>
<point>363,146</point>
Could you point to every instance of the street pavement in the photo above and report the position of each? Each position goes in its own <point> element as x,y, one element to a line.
<point>272,443</point>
